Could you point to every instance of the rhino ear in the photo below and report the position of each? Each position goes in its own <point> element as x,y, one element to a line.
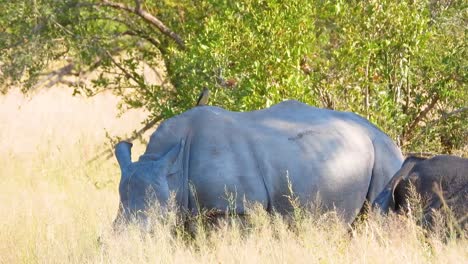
<point>395,188</point>
<point>385,200</point>
<point>123,153</point>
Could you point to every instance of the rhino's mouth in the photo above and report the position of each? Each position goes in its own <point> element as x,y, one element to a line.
<point>140,219</point>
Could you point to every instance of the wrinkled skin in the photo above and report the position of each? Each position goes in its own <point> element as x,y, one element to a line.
<point>213,159</point>
<point>439,180</point>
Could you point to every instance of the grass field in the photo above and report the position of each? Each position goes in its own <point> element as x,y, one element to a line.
<point>54,207</point>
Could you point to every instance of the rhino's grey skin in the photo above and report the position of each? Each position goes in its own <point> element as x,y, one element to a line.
<point>441,177</point>
<point>338,156</point>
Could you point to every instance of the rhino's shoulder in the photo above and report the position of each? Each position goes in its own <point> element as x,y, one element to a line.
<point>447,159</point>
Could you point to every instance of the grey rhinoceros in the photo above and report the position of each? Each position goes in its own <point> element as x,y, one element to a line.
<point>208,152</point>
<point>439,181</point>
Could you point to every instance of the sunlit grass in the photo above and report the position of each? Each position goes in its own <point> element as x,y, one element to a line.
<point>57,208</point>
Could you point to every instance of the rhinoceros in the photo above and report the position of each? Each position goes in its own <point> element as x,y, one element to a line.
<point>266,156</point>
<point>440,181</point>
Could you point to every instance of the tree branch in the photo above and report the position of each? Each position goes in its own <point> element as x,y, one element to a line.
<point>109,152</point>
<point>127,74</point>
<point>132,31</point>
<point>137,79</point>
<point>148,18</point>
<point>57,76</point>
<point>455,112</point>
<point>151,40</point>
<point>407,133</point>
<point>444,117</point>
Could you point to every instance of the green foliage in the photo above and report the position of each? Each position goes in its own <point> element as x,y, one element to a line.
<point>387,60</point>
<point>401,64</point>
<point>255,45</point>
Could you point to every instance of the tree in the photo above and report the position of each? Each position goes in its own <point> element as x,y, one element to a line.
<point>401,64</point>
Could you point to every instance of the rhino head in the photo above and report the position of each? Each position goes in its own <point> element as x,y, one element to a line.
<point>142,184</point>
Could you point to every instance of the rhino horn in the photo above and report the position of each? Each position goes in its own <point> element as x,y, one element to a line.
<point>123,152</point>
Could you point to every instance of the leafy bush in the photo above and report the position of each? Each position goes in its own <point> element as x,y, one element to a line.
<point>401,64</point>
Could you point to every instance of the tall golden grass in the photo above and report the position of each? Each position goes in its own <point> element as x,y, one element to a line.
<point>56,208</point>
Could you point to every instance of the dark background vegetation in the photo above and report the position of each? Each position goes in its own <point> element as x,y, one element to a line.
<point>401,64</point>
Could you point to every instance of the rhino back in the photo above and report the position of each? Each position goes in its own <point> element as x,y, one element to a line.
<point>441,165</point>
<point>449,172</point>
<point>324,154</point>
